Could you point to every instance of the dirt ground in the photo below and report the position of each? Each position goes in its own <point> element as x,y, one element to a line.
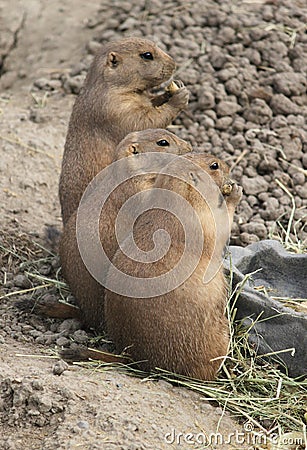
<point>40,43</point>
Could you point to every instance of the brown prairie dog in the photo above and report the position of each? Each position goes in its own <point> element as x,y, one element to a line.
<point>87,291</point>
<point>184,329</point>
<point>115,100</point>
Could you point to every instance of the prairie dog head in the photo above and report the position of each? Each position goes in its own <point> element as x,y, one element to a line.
<point>217,169</point>
<point>194,168</point>
<point>133,63</point>
<point>151,140</point>
<point>155,142</point>
<point>199,178</point>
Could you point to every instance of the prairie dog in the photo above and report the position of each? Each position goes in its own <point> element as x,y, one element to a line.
<point>114,101</point>
<point>87,291</point>
<point>184,329</point>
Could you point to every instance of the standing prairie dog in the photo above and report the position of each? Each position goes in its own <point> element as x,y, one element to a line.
<point>87,291</point>
<point>185,329</point>
<point>114,101</point>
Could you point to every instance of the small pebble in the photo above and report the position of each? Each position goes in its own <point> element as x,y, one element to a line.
<point>59,367</point>
<point>22,282</point>
<point>83,424</point>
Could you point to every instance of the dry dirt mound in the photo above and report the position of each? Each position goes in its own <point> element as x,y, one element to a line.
<point>82,410</point>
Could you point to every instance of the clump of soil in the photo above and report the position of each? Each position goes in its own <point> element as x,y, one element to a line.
<point>25,402</point>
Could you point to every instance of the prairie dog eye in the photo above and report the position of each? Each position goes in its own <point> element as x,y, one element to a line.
<point>135,150</point>
<point>147,56</point>
<point>163,143</point>
<point>214,166</point>
<point>114,60</point>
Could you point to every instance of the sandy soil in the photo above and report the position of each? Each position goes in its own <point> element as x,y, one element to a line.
<point>40,42</point>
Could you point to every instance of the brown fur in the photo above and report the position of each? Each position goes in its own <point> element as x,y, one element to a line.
<point>183,330</point>
<point>114,101</point>
<point>88,292</point>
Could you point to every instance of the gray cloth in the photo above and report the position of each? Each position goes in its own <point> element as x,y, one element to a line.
<point>286,274</point>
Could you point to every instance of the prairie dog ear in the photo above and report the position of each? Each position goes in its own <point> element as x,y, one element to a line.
<point>133,149</point>
<point>113,59</point>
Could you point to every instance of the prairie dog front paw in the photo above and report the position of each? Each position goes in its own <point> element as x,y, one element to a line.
<point>235,194</point>
<point>179,94</point>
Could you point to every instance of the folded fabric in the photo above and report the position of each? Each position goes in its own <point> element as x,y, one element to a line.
<point>276,327</point>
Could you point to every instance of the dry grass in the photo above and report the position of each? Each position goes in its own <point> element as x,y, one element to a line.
<point>252,389</point>
<point>288,232</point>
